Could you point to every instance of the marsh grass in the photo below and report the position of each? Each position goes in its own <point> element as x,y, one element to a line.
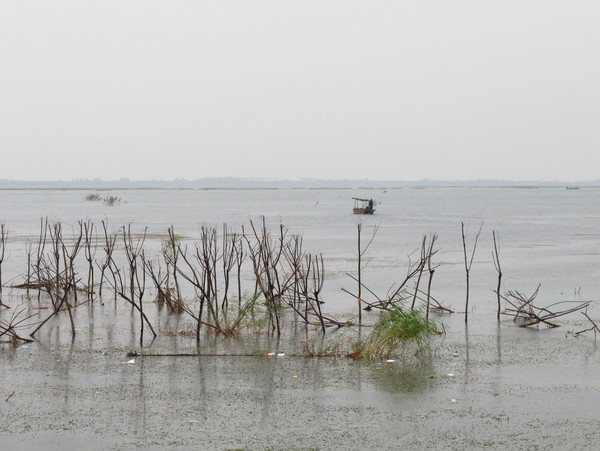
<point>397,329</point>
<point>108,200</point>
<point>93,197</point>
<point>112,200</point>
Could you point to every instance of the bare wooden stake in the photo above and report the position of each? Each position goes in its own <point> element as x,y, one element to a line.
<point>468,263</point>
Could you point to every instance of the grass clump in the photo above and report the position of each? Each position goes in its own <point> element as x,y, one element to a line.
<point>109,200</point>
<point>397,328</point>
<point>112,200</point>
<point>93,197</point>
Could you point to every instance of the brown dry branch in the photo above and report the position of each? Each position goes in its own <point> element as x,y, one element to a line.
<point>594,327</point>
<point>496,260</point>
<point>266,254</point>
<point>194,273</point>
<point>90,244</point>
<point>398,293</point>
<point>360,252</point>
<point>528,314</point>
<point>110,240</point>
<point>9,327</point>
<point>41,249</point>
<point>431,270</point>
<point>468,262</point>
<point>420,269</point>
<point>136,274</point>
<point>163,291</point>
<point>170,255</point>
<point>3,238</point>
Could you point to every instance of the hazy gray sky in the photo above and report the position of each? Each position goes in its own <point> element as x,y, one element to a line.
<point>399,90</point>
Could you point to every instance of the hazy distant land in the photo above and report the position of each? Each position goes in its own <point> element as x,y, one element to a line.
<point>249,183</point>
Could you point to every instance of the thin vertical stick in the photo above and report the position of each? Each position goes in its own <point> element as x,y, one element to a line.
<point>468,262</point>
<point>496,258</point>
<point>359,295</point>
<point>431,268</point>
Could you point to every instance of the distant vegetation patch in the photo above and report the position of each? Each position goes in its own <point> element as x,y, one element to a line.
<point>112,200</point>
<point>93,197</point>
<point>108,200</point>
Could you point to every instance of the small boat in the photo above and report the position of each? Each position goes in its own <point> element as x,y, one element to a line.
<point>572,187</point>
<point>363,206</point>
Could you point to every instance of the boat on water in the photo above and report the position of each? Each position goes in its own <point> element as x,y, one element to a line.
<point>363,206</point>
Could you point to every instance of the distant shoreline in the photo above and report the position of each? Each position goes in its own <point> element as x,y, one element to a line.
<point>243,183</point>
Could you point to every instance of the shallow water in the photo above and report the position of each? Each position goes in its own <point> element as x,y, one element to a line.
<point>506,388</point>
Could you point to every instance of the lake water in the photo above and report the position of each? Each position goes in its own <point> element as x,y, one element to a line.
<point>483,384</point>
<point>547,236</point>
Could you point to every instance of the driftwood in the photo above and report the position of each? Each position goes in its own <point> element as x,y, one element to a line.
<point>594,327</point>
<point>8,327</point>
<point>527,314</point>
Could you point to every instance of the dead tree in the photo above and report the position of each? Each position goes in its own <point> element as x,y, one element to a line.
<point>161,284</point>
<point>265,255</point>
<point>294,258</point>
<point>420,269</point>
<point>134,252</point>
<point>317,279</point>
<point>361,251</point>
<point>431,269</point>
<point>240,257</point>
<point>170,255</point>
<point>207,256</point>
<point>47,271</point>
<point>55,240</point>
<point>106,263</point>
<point>89,245</point>
<point>396,293</point>
<point>69,255</point>
<point>3,236</point>
<point>229,240</point>
<point>496,259</point>
<point>468,263</point>
<point>29,252</point>
<point>194,274</point>
<point>40,250</point>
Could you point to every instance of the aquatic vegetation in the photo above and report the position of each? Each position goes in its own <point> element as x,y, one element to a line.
<point>108,200</point>
<point>112,200</point>
<point>396,328</point>
<point>93,197</point>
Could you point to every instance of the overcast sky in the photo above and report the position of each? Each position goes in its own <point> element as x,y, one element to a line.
<point>394,90</point>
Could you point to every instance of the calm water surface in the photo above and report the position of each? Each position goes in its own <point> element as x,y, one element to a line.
<point>484,385</point>
<point>547,235</point>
